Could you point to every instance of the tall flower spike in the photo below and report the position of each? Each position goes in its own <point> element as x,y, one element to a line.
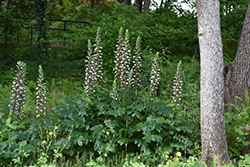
<point>177,85</point>
<point>40,94</point>
<point>98,58</point>
<point>18,91</point>
<point>130,76</point>
<point>154,77</point>
<point>114,91</point>
<point>90,72</point>
<point>125,61</point>
<point>136,79</point>
<point>118,58</point>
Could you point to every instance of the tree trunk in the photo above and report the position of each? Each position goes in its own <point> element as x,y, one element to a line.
<point>139,4</point>
<point>237,79</point>
<point>161,3</point>
<point>213,133</point>
<point>127,2</point>
<point>146,6</point>
<point>120,1</point>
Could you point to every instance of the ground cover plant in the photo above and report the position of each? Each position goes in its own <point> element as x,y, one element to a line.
<point>107,108</point>
<point>122,121</point>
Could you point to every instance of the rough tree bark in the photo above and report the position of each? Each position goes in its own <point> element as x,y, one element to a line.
<point>146,6</point>
<point>238,77</point>
<point>213,133</point>
<point>127,2</point>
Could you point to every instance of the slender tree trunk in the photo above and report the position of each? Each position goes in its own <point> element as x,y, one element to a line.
<point>161,3</point>
<point>120,1</point>
<point>127,2</point>
<point>146,6</point>
<point>213,133</point>
<point>139,3</point>
<point>238,76</point>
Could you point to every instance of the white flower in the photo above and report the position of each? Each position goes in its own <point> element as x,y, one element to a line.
<point>94,69</point>
<point>18,91</point>
<point>154,77</point>
<point>137,64</point>
<point>41,90</point>
<point>178,85</point>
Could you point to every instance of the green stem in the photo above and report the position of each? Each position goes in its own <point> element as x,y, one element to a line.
<point>147,109</point>
<point>12,115</point>
<point>124,97</point>
<point>126,94</point>
<point>41,122</point>
<point>19,109</point>
<point>146,94</point>
<point>167,137</point>
<point>174,112</point>
<point>127,124</point>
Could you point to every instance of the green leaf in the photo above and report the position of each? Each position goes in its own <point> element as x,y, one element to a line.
<point>101,106</point>
<point>98,131</point>
<point>112,112</point>
<point>115,104</point>
<point>239,98</point>
<point>246,143</point>
<point>139,107</point>
<point>79,142</point>
<point>8,120</point>
<point>111,124</point>
<point>71,116</point>
<point>82,112</point>
<point>122,140</point>
<point>178,129</point>
<point>246,99</point>
<point>121,111</point>
<point>149,137</point>
<point>176,145</point>
<point>142,126</point>
<point>160,120</point>
<point>8,124</point>
<point>91,163</point>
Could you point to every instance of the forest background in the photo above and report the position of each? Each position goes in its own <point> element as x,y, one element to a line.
<point>168,29</point>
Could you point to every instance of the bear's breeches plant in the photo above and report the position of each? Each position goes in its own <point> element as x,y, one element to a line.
<point>125,62</point>
<point>136,78</point>
<point>97,57</point>
<point>118,58</point>
<point>177,85</point>
<point>18,91</point>
<point>40,94</point>
<point>154,78</point>
<point>90,73</point>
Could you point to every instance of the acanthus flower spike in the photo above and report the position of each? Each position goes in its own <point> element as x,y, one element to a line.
<point>18,91</point>
<point>90,72</point>
<point>136,78</point>
<point>154,77</point>
<point>177,88</point>
<point>40,94</point>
